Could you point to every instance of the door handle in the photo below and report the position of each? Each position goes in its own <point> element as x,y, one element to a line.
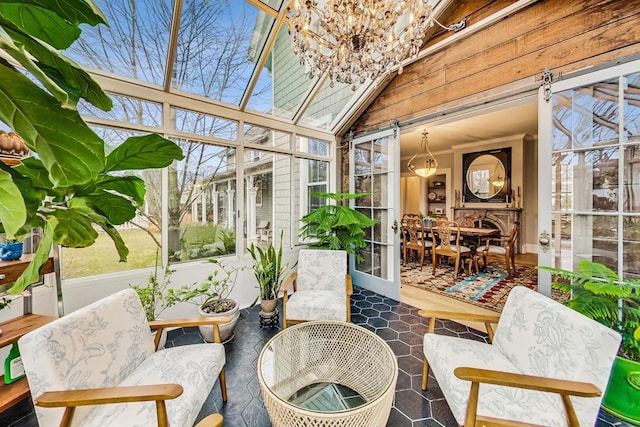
<point>544,240</point>
<point>394,227</point>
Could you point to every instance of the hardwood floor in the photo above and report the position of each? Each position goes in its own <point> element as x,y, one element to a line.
<point>428,300</point>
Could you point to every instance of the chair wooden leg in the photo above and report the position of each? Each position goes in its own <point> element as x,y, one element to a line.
<point>433,261</point>
<point>421,259</point>
<point>223,385</point>
<point>455,274</point>
<point>425,373</point>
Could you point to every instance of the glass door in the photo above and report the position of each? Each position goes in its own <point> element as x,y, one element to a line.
<point>589,199</point>
<point>375,168</point>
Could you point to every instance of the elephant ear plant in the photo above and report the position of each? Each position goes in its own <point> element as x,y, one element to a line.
<point>69,184</point>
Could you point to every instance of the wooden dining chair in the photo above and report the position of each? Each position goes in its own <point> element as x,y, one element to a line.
<point>443,231</point>
<point>415,238</point>
<point>502,248</point>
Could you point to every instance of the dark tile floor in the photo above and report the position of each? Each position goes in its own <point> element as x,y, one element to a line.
<point>397,323</point>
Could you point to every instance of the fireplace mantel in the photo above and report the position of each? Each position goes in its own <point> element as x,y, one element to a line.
<point>501,217</point>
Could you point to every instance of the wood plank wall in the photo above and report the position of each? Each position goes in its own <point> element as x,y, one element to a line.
<point>563,35</point>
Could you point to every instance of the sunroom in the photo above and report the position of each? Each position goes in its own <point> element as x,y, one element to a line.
<point>549,88</point>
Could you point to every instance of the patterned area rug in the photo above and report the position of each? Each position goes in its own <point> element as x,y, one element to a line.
<point>488,289</point>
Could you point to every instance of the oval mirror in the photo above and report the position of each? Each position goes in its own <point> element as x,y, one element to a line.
<point>486,176</point>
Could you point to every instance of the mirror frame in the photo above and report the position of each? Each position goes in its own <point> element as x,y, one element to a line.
<point>502,154</point>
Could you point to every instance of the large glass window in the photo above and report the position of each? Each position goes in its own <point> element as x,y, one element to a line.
<point>201,202</point>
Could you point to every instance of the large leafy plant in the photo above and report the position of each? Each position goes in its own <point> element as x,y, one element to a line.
<point>69,184</point>
<point>598,292</point>
<point>336,226</point>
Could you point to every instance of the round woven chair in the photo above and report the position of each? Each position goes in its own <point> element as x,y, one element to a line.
<point>336,353</point>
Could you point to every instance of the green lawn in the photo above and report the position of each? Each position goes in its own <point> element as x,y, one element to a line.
<point>102,256</point>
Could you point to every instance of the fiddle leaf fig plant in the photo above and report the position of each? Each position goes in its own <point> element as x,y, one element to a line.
<point>69,185</point>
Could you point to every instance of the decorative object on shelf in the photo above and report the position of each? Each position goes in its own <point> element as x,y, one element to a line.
<point>519,199</point>
<point>457,198</point>
<point>430,164</point>
<point>437,184</point>
<point>442,198</point>
<point>11,251</point>
<point>356,40</point>
<point>432,196</point>
<point>13,368</point>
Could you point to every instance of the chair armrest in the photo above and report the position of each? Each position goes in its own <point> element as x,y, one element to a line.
<point>530,382</point>
<point>487,319</point>
<point>98,396</point>
<point>285,285</point>
<point>70,399</point>
<point>349,285</point>
<point>195,321</point>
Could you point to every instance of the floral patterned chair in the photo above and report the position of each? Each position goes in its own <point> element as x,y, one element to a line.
<point>105,353</point>
<point>321,288</point>
<point>548,364</point>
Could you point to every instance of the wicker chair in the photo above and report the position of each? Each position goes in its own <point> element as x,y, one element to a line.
<point>323,355</point>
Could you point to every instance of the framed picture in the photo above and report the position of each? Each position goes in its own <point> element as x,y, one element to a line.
<point>258,186</point>
<point>439,211</point>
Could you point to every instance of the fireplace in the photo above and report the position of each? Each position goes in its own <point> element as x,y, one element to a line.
<point>493,217</point>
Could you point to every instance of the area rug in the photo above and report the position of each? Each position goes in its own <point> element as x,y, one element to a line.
<point>488,289</point>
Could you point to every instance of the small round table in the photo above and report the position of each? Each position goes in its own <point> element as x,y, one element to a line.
<point>329,374</point>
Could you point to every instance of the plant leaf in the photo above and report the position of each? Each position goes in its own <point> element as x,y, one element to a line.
<point>130,186</point>
<point>33,199</point>
<point>13,211</point>
<point>71,152</point>
<point>74,229</point>
<point>117,209</point>
<point>33,168</point>
<point>40,23</point>
<point>143,152</point>
<point>74,11</point>
<point>31,274</point>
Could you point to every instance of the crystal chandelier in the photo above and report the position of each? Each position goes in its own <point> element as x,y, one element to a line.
<point>356,40</point>
<point>430,164</point>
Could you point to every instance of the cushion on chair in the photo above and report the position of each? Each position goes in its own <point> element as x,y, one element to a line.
<point>446,353</point>
<point>544,338</point>
<point>64,354</point>
<point>317,305</point>
<point>463,249</point>
<point>497,250</point>
<point>321,270</point>
<point>195,367</point>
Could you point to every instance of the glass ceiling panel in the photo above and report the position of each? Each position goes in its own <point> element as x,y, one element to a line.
<point>133,45</point>
<point>273,4</point>
<point>218,45</point>
<point>328,103</point>
<point>289,83</point>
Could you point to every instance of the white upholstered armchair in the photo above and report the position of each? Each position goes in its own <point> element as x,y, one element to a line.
<point>548,364</point>
<point>100,363</point>
<point>321,288</point>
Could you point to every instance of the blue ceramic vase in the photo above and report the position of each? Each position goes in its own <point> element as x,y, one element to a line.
<point>11,251</point>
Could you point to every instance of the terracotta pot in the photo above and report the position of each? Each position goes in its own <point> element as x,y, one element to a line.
<point>226,330</point>
<point>268,306</point>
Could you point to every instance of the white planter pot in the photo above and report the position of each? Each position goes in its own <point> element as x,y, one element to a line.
<point>226,330</point>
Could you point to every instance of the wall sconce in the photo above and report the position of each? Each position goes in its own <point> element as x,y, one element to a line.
<point>427,165</point>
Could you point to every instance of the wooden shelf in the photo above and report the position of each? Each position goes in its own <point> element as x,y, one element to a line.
<point>11,270</point>
<point>12,330</point>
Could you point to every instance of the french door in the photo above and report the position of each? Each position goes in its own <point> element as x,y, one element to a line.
<point>589,172</point>
<point>374,167</point>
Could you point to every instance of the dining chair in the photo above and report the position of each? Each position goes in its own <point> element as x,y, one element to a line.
<point>503,248</point>
<point>415,238</point>
<point>447,231</point>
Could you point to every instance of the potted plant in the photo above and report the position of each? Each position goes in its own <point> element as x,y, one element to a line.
<point>70,186</point>
<point>598,292</point>
<point>212,298</point>
<point>270,272</point>
<point>336,227</point>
